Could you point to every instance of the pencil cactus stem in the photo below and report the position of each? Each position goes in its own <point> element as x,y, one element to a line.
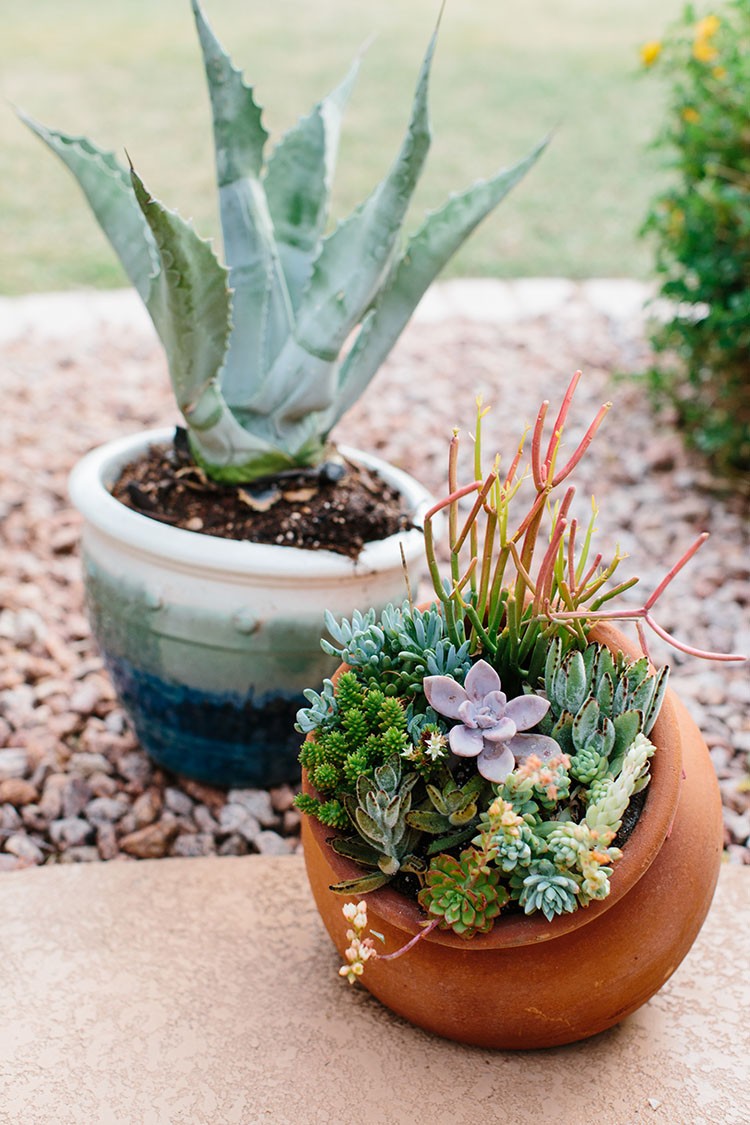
<point>643,640</point>
<point>515,462</point>
<point>482,412</point>
<point>534,514</point>
<point>429,548</point>
<point>470,570</point>
<point>528,581</point>
<point>499,573</point>
<point>489,544</point>
<point>586,441</point>
<point>471,518</point>
<point>614,593</point>
<point>591,527</point>
<point>453,509</point>
<point>547,567</point>
<point>465,490</point>
<point>489,643</point>
<point>561,419</point>
<point>583,583</point>
<point>536,446</point>
<point>725,657</point>
<point>675,570</point>
<point>572,553</point>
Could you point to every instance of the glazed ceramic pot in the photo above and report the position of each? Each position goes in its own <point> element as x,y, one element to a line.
<point>210,642</point>
<point>533,983</point>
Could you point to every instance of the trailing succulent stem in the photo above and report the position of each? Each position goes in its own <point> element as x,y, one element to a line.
<point>255,347</point>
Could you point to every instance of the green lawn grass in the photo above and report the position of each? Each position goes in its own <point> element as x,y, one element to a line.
<point>127,74</point>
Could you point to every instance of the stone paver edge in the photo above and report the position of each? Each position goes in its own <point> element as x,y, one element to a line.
<point>483,300</point>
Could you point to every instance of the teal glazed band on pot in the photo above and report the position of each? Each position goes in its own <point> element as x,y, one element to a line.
<point>210,642</point>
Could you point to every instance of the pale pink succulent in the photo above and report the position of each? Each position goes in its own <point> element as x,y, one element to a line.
<point>489,722</point>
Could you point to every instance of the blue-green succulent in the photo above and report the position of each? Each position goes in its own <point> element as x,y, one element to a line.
<point>256,347</point>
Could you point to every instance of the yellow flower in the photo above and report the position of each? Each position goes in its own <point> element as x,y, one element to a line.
<point>650,52</point>
<point>720,72</point>
<point>703,51</point>
<point>707,28</point>
<point>691,115</point>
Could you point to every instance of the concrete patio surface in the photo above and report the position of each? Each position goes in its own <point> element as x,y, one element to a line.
<point>204,992</point>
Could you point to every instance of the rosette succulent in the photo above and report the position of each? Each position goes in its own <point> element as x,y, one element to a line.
<point>489,724</point>
<point>266,353</point>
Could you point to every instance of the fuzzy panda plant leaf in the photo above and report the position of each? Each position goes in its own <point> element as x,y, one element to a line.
<point>256,347</point>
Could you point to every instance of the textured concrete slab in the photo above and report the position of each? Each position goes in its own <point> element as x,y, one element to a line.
<point>184,992</point>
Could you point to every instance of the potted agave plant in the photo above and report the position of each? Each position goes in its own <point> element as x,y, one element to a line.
<point>209,640</point>
<point>525,815</point>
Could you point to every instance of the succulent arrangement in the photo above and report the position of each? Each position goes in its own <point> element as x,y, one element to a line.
<point>260,351</point>
<point>486,753</point>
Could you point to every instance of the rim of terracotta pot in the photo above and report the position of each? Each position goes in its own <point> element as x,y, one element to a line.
<point>97,470</point>
<point>639,851</point>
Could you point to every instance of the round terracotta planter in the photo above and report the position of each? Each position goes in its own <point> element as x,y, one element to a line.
<point>532,983</point>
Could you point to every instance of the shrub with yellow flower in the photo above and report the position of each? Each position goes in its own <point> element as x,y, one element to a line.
<point>650,52</point>
<point>701,226</point>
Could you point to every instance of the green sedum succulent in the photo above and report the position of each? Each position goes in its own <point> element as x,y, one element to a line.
<point>256,348</point>
<point>465,896</point>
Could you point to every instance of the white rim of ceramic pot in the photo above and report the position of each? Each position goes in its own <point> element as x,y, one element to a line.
<point>92,476</point>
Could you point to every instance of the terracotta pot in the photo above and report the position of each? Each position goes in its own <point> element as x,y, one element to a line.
<point>533,983</point>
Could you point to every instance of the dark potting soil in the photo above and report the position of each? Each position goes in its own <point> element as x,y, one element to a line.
<point>337,506</point>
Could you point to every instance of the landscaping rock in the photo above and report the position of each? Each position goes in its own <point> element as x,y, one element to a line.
<point>202,843</point>
<point>151,842</point>
<point>17,792</point>
<point>69,832</point>
<point>66,745</point>
<point>14,762</point>
<point>24,848</point>
<point>177,802</point>
<point>258,804</point>
<point>270,843</point>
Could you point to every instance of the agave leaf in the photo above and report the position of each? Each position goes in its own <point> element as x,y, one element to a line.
<point>346,277</point>
<point>298,183</point>
<point>195,306</point>
<point>442,233</point>
<point>263,315</point>
<point>107,187</point>
<point>355,257</point>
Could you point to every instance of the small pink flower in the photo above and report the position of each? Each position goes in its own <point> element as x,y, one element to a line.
<point>489,722</point>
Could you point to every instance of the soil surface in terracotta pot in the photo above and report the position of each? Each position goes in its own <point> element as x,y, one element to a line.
<point>337,506</point>
<point>532,983</point>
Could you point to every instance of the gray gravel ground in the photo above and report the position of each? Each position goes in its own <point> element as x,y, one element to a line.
<point>74,784</point>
